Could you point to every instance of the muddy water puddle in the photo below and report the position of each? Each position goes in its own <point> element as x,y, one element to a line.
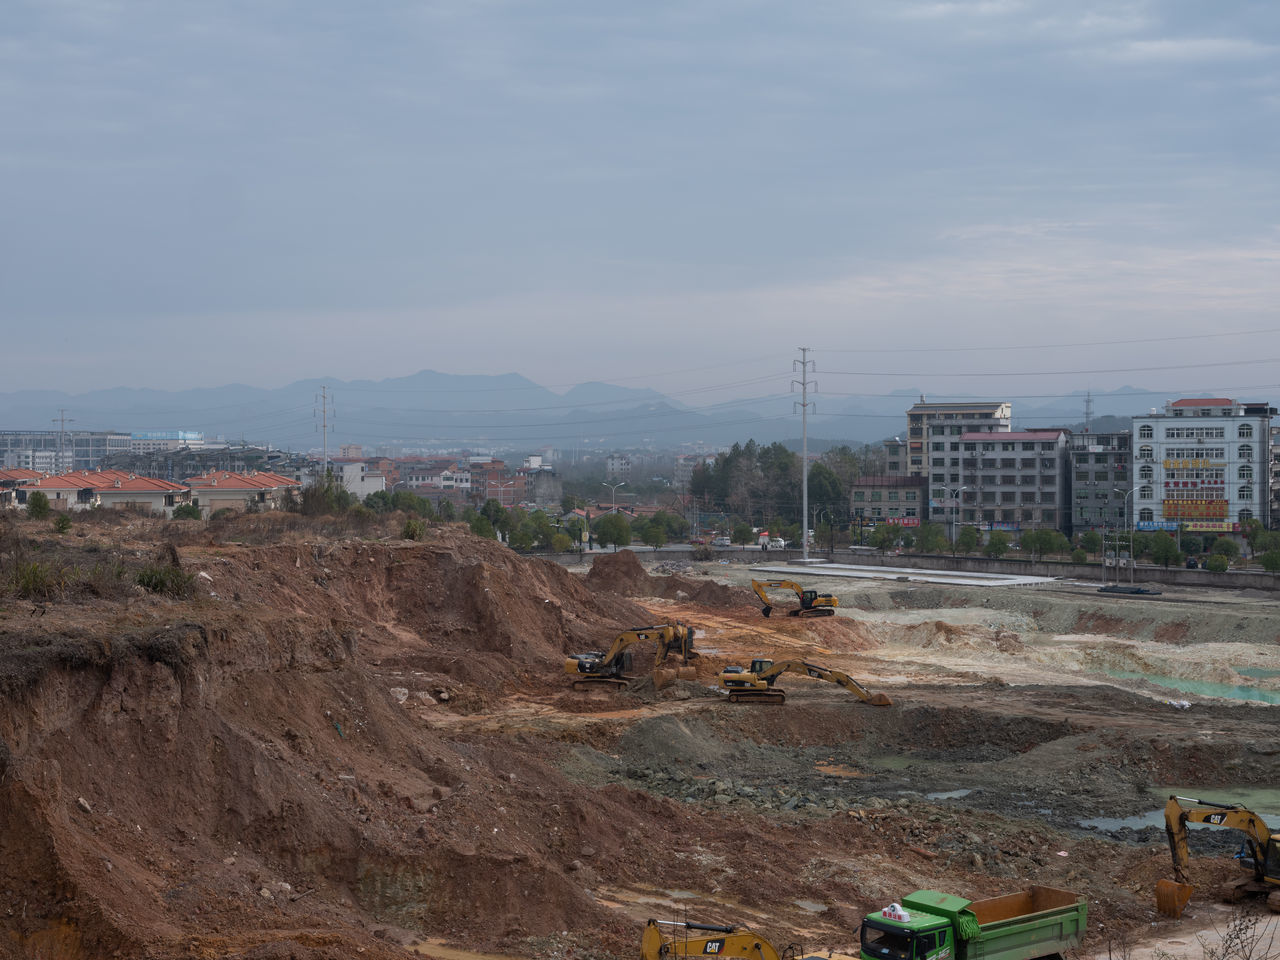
<point>1201,688</point>
<point>1264,801</point>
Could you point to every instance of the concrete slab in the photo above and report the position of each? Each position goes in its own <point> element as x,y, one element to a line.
<point>855,572</point>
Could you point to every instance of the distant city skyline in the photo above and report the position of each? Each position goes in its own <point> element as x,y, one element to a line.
<point>198,195</point>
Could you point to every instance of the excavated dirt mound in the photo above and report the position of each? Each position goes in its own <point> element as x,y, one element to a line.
<point>621,573</point>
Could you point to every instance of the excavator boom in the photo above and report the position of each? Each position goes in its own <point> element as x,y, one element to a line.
<point>704,939</point>
<point>607,669</point>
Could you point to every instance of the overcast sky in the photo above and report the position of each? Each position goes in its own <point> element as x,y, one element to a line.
<point>261,191</point>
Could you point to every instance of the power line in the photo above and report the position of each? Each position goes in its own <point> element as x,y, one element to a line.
<point>1056,346</point>
<point>916,374</point>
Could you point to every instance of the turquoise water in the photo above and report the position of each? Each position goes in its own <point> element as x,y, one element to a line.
<point>1257,673</point>
<point>1202,688</point>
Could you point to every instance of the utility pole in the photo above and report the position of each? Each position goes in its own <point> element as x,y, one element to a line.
<point>804,365</point>
<point>61,419</point>
<point>324,400</point>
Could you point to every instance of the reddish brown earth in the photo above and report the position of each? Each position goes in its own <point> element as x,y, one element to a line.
<point>351,746</point>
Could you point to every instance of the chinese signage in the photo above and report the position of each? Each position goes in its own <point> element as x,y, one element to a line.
<point>1213,526</point>
<point>1192,464</point>
<point>1195,509</point>
<point>903,521</point>
<point>1156,525</point>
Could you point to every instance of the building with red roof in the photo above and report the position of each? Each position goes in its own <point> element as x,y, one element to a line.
<point>257,490</point>
<point>108,489</point>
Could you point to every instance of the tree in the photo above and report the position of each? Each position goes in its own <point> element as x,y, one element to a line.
<point>613,528</point>
<point>1078,555</point>
<point>1226,547</point>
<point>481,527</point>
<point>1270,561</point>
<point>574,528</point>
<point>884,536</point>
<point>742,533</point>
<point>38,505</point>
<point>930,538</point>
<point>1164,549</point>
<point>654,533</point>
<point>561,543</point>
<point>967,539</point>
<point>997,545</point>
<point>447,512</point>
<point>1253,531</point>
<point>188,511</point>
<point>61,523</point>
<point>1091,541</point>
<point>1034,542</point>
<point>1217,564</point>
<point>379,502</point>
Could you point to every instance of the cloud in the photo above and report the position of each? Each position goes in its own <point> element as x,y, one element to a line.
<point>1192,50</point>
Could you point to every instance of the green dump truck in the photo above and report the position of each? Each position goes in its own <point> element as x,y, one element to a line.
<point>927,925</point>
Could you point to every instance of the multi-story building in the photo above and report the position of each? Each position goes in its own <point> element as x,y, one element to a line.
<point>933,442</point>
<point>1202,464</point>
<point>887,499</point>
<point>617,466</point>
<point>161,441</point>
<point>56,451</point>
<point>1101,480</point>
<point>1015,480</point>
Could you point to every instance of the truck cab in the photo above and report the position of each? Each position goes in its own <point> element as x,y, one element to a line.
<point>898,935</point>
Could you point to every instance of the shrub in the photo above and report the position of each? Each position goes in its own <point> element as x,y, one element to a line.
<point>188,511</point>
<point>1079,556</point>
<point>61,523</point>
<point>415,528</point>
<point>704,552</point>
<point>38,505</point>
<point>37,581</point>
<point>1217,564</point>
<point>161,578</point>
<point>223,513</point>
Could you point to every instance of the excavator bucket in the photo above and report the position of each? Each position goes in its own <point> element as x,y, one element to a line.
<point>663,678</point>
<point>880,700</point>
<point>1172,897</point>
<point>686,673</point>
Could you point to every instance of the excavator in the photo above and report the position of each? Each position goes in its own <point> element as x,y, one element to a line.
<point>1263,847</point>
<point>812,603</point>
<point>600,669</point>
<point>755,685</point>
<point>705,939</point>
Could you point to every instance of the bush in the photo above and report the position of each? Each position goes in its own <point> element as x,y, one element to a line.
<point>703,552</point>
<point>37,581</point>
<point>223,513</point>
<point>170,581</point>
<point>1079,556</point>
<point>415,528</point>
<point>188,511</point>
<point>38,505</point>
<point>1217,564</point>
<point>61,523</point>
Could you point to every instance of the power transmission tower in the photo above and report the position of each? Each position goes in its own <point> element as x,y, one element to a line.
<point>1088,410</point>
<point>804,365</point>
<point>325,402</point>
<point>62,420</point>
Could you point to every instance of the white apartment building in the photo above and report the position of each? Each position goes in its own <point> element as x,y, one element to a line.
<point>1202,464</point>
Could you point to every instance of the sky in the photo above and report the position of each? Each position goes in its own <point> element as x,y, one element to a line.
<point>986,197</point>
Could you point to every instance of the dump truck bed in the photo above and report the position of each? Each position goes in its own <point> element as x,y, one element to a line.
<point>1036,922</point>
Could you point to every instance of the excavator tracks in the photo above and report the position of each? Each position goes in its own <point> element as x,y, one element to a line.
<point>757,696</point>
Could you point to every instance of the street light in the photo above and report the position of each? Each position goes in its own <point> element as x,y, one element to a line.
<point>614,487</point>
<point>501,487</point>
<point>955,508</point>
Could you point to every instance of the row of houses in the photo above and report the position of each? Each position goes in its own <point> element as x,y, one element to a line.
<point>1198,464</point>
<point>119,490</point>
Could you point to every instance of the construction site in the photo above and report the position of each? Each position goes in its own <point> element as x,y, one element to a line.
<point>315,744</point>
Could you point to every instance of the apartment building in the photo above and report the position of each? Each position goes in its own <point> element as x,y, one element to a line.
<point>1101,480</point>
<point>934,431</point>
<point>57,451</point>
<point>1008,480</point>
<point>164,441</point>
<point>1203,464</point>
<point>888,499</point>
<point>617,466</point>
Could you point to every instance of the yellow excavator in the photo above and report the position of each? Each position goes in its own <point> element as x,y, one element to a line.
<point>755,685</point>
<point>1263,847</point>
<point>812,603</point>
<point>708,940</point>
<point>608,669</point>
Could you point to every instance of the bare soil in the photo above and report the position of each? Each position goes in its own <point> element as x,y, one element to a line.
<point>342,746</point>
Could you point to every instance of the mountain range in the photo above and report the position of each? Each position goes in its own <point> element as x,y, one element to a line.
<point>430,409</point>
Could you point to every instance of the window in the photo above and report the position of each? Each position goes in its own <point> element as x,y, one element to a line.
<point>1245,431</point>
<point>939,478</point>
<point>937,447</point>
<point>1029,447</point>
<point>1245,472</point>
<point>1246,514</point>
<point>1145,432</point>
<point>859,495</point>
<point>938,462</point>
<point>893,494</point>
<point>1146,515</point>
<point>1145,453</point>
<point>1146,472</point>
<point>1100,476</point>
<point>1244,493</point>
<point>1246,451</point>
<point>1082,476</point>
<point>875,495</point>
<point>910,496</point>
<point>1144,493</point>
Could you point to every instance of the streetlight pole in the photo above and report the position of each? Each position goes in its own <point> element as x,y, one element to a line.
<point>1129,521</point>
<point>955,509</point>
<point>614,487</point>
